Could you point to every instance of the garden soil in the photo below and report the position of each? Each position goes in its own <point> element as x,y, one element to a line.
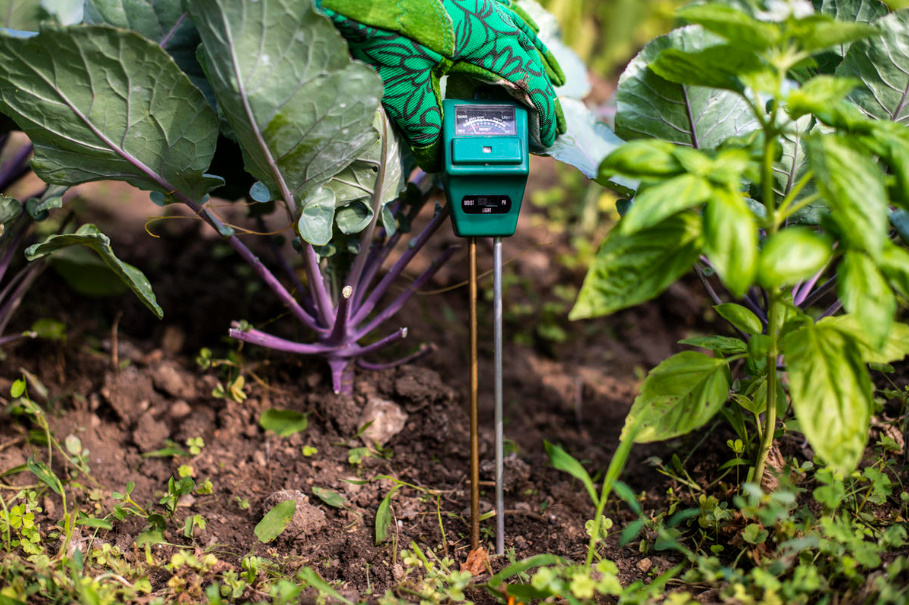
<point>126,384</point>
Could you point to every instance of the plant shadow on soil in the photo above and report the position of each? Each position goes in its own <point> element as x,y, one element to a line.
<point>574,393</point>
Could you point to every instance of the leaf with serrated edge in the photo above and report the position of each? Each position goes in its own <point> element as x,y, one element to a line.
<point>89,236</point>
<point>651,107</point>
<point>100,103</point>
<point>882,64</point>
<point>631,269</point>
<point>301,109</point>
<point>679,395</point>
<point>831,392</point>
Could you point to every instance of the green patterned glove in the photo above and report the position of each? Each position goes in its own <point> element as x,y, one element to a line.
<point>413,43</point>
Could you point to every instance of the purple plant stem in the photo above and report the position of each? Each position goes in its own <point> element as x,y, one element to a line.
<point>357,351</point>
<point>305,301</point>
<point>261,270</point>
<point>379,291</point>
<point>804,289</point>
<point>5,340</point>
<point>317,288</point>
<point>422,352</point>
<point>15,299</point>
<point>269,341</point>
<point>17,166</point>
<point>750,301</point>
<point>342,327</point>
<point>13,241</point>
<point>402,299</point>
<point>342,376</point>
<point>818,294</point>
<point>832,310</point>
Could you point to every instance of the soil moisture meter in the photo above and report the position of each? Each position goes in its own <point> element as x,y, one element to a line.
<point>486,167</point>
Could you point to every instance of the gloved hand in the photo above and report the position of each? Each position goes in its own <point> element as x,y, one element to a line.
<point>413,43</point>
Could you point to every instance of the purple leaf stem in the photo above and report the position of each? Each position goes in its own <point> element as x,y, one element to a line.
<point>805,288</point>
<point>17,166</point>
<point>305,301</point>
<point>823,290</point>
<point>751,301</point>
<point>376,257</point>
<point>710,291</point>
<point>5,340</point>
<point>832,310</point>
<point>257,337</point>
<point>13,241</point>
<point>261,270</point>
<point>423,351</point>
<point>357,351</point>
<point>342,376</point>
<point>317,288</point>
<point>339,333</point>
<point>379,291</point>
<point>399,302</point>
<point>15,299</point>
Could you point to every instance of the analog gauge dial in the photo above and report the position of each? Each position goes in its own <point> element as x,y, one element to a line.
<point>485,120</point>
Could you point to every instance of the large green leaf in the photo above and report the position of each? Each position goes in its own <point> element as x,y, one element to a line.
<point>713,67</point>
<point>100,103</point>
<point>882,64</point>
<point>20,15</point>
<point>831,392</point>
<point>895,348</point>
<point>792,255</point>
<point>740,28</point>
<point>354,187</point>
<point>792,167</point>
<point>679,395</point>
<point>90,237</point>
<point>631,269</point>
<point>586,143</point>
<point>162,21</point>
<point>301,109</point>
<point>731,239</point>
<point>652,107</point>
<point>853,186</point>
<point>658,202</point>
<point>867,295</point>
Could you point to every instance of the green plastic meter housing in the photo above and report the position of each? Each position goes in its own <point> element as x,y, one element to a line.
<point>487,162</point>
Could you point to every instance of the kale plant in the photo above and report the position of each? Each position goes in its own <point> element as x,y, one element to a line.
<point>146,92</point>
<point>771,147</point>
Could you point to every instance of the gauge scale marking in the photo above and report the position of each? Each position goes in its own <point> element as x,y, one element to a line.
<point>485,120</point>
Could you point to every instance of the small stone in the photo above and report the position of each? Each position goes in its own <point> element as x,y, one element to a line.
<point>307,519</point>
<point>173,380</point>
<point>644,565</point>
<point>387,418</point>
<point>259,458</point>
<point>522,506</point>
<point>397,571</point>
<point>180,409</point>
<point>186,500</point>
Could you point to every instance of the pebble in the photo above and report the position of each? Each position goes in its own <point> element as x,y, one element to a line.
<point>180,409</point>
<point>387,418</point>
<point>259,458</point>
<point>644,565</point>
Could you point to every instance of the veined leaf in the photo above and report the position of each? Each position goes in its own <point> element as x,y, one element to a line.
<point>831,392</point>
<point>631,269</point>
<point>738,27</point>
<point>792,255</point>
<point>679,395</point>
<point>45,474</point>
<point>867,296</point>
<point>652,107</point>
<point>856,11</point>
<point>894,262</point>
<point>882,64</point>
<point>301,109</point>
<point>656,203</point>
<point>819,32</point>
<point>896,347</point>
<point>89,236</point>
<point>731,240</point>
<point>100,103</point>
<point>742,318</point>
<point>819,93</point>
<point>724,345</point>
<point>648,158</point>
<point>792,168</point>
<point>275,521</point>
<point>162,21</point>
<point>853,185</point>
<point>20,14</point>
<point>586,143</point>
<point>713,67</point>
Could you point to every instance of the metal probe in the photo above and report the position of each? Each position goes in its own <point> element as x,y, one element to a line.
<point>500,450</point>
<point>474,407</point>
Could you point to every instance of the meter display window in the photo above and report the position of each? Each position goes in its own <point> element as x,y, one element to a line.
<point>485,120</point>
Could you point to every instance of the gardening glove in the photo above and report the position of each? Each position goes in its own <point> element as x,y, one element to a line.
<point>413,43</point>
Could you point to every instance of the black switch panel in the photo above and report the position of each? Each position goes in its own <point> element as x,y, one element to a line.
<point>486,204</point>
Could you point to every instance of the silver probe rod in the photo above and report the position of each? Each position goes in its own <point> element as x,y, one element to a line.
<point>500,450</point>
